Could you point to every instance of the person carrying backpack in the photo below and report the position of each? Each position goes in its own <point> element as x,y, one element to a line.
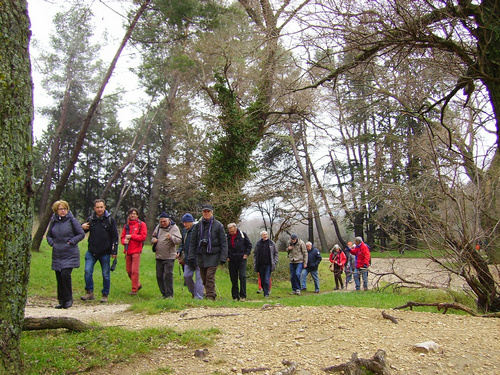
<point>103,245</point>
<point>134,234</point>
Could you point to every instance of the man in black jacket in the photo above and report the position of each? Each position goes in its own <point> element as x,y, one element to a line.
<point>103,245</point>
<point>208,249</point>
<point>239,248</point>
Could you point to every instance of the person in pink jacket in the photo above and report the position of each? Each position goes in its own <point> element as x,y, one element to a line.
<point>338,258</point>
<point>362,253</point>
<point>133,236</point>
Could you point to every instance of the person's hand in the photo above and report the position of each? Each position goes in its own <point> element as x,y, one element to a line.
<point>128,236</point>
<point>245,256</point>
<point>113,255</point>
<point>154,240</point>
<point>168,236</point>
<point>126,241</point>
<point>222,262</point>
<point>85,226</point>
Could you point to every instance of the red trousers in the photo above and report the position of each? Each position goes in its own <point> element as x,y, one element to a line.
<point>132,265</point>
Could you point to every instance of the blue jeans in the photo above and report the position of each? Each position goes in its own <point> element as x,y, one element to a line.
<point>364,274</point>
<point>195,287</point>
<point>295,271</point>
<point>349,268</point>
<point>314,275</point>
<point>90,261</point>
<point>265,278</point>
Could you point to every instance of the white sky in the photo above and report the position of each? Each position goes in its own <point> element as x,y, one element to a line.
<point>108,16</point>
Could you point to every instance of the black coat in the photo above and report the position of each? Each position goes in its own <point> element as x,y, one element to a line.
<point>218,250</point>
<point>242,246</point>
<point>103,238</point>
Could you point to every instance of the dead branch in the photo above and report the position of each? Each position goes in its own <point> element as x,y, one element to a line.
<point>391,318</point>
<point>353,367</point>
<point>440,306</point>
<point>248,370</point>
<point>53,322</point>
<point>211,316</point>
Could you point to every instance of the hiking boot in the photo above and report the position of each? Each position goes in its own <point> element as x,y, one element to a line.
<point>104,298</point>
<point>88,297</point>
<point>297,292</point>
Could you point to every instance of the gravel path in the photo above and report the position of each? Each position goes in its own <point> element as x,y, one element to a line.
<point>312,337</point>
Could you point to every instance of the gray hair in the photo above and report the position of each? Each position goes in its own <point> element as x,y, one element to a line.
<point>264,231</point>
<point>231,225</point>
<point>309,243</point>
<point>336,247</point>
<point>360,239</point>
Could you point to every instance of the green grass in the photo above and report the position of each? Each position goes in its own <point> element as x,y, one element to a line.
<point>59,352</point>
<point>62,352</point>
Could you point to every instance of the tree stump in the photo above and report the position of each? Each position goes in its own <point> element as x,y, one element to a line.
<point>361,366</point>
<point>53,322</point>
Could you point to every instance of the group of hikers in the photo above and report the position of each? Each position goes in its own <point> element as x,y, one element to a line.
<point>200,247</point>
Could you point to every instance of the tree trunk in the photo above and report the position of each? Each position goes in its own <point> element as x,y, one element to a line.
<point>161,170</point>
<point>37,239</point>
<point>129,158</point>
<point>54,153</point>
<point>16,206</point>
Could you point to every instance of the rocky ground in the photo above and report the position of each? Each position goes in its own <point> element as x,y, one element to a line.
<point>312,337</point>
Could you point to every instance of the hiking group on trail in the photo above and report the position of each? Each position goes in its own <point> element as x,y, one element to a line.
<point>199,248</point>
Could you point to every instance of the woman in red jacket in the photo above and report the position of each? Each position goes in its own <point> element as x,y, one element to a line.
<point>338,258</point>
<point>133,236</point>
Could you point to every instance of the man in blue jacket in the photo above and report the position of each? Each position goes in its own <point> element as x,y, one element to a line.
<point>313,260</point>
<point>103,245</point>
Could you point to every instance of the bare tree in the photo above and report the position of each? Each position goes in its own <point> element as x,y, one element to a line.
<point>37,239</point>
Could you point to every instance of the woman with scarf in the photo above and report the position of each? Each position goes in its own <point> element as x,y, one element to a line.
<point>208,249</point>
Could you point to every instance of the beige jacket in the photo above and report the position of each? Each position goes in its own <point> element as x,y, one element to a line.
<point>167,248</point>
<point>298,253</point>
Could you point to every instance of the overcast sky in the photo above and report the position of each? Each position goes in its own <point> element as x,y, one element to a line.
<point>108,16</point>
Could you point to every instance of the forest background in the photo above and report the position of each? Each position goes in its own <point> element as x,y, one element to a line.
<point>382,116</point>
<point>333,118</point>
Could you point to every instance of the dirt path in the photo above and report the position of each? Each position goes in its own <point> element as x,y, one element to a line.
<point>313,337</point>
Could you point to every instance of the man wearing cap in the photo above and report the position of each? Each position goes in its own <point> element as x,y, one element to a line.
<point>165,238</point>
<point>297,255</point>
<point>208,249</point>
<point>362,253</point>
<point>194,287</point>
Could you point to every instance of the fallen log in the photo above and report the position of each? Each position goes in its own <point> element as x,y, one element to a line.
<point>446,306</point>
<point>440,306</point>
<point>56,322</point>
<point>357,366</point>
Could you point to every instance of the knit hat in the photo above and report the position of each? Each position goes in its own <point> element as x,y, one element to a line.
<point>187,218</point>
<point>163,215</point>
